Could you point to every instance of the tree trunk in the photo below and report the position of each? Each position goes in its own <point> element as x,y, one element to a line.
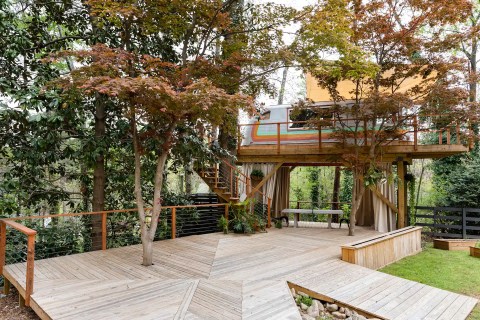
<point>356,201</point>
<point>281,94</point>
<point>419,186</point>
<point>188,177</point>
<point>147,245</point>
<point>336,193</point>
<point>98,176</point>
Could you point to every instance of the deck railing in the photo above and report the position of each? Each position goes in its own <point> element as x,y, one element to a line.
<point>410,128</point>
<point>169,220</point>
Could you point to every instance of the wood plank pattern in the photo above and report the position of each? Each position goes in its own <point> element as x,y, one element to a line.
<point>218,276</point>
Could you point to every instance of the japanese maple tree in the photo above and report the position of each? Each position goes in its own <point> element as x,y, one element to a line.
<point>215,54</point>
<point>376,47</point>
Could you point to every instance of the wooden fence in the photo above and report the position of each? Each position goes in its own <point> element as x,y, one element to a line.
<point>449,222</point>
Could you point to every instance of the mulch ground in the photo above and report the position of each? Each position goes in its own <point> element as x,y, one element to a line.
<point>10,310</point>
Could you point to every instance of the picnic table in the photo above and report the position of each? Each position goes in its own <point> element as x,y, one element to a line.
<point>296,214</point>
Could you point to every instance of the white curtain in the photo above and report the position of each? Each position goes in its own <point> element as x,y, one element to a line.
<point>384,217</point>
<point>247,169</point>
<point>269,187</point>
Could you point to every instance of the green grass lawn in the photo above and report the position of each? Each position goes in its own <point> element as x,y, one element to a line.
<point>455,271</point>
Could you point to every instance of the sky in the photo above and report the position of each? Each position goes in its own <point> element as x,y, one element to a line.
<point>295,86</point>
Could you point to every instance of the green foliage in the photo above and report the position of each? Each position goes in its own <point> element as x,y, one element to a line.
<point>278,224</point>
<point>456,181</point>
<point>314,186</point>
<point>346,186</point>
<point>223,224</point>
<point>305,300</point>
<point>243,220</point>
<point>256,173</point>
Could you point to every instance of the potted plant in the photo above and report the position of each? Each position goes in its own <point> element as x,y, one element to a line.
<point>475,251</point>
<point>242,220</point>
<point>223,224</point>
<point>257,175</point>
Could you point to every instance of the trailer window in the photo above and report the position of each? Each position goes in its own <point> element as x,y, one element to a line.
<point>265,115</point>
<point>299,118</point>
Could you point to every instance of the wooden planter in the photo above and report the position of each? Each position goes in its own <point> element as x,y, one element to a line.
<point>453,244</point>
<point>379,251</point>
<point>475,252</point>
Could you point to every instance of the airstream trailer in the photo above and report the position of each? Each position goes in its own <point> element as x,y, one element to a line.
<point>279,124</point>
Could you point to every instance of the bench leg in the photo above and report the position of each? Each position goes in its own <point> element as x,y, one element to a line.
<point>296,217</point>
<point>329,219</point>
<point>6,286</point>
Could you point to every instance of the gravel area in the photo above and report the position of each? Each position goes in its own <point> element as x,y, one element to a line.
<point>10,310</point>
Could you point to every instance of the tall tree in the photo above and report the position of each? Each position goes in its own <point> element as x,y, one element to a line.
<point>380,45</point>
<point>161,97</point>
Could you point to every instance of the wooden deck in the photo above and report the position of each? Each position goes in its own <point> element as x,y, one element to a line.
<point>331,153</point>
<point>218,276</point>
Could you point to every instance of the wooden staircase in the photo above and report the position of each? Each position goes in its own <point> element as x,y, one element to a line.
<point>223,180</point>
<point>229,183</point>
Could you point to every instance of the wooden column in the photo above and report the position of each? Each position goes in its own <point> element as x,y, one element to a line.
<point>174,223</point>
<point>104,231</point>
<point>402,195</point>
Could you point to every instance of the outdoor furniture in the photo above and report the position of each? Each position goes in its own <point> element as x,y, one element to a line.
<point>296,214</point>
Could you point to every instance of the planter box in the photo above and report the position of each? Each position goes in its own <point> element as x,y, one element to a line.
<point>453,244</point>
<point>475,252</point>
<point>377,252</point>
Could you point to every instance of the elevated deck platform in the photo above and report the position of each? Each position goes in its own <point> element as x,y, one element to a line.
<point>218,276</point>
<point>331,153</point>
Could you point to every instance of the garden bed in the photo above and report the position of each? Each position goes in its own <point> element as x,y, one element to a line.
<point>453,244</point>
<point>475,252</point>
<point>385,249</point>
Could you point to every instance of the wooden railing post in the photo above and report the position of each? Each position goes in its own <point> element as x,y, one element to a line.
<point>458,133</point>
<point>319,138</point>
<point>216,174</point>
<point>269,216</point>
<point>440,136</point>
<point>3,244</point>
<point>239,138</point>
<point>104,231</point>
<point>226,212</point>
<point>278,138</point>
<point>464,223</point>
<point>236,187</point>
<point>415,133</point>
<point>231,182</point>
<point>30,268</point>
<point>365,131</point>
<point>448,136</point>
<point>174,223</point>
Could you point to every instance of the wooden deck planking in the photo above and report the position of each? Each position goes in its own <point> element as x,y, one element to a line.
<point>220,276</point>
<point>263,300</point>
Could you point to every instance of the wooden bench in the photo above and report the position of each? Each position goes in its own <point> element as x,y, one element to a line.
<point>296,214</point>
